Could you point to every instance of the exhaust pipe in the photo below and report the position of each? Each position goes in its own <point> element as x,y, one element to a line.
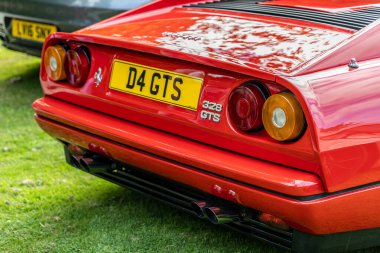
<point>75,161</point>
<point>95,165</point>
<point>221,215</point>
<point>198,207</point>
<point>215,214</point>
<point>88,161</point>
<point>73,158</point>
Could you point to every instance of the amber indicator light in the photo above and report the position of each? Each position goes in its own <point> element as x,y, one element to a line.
<point>54,60</point>
<point>283,117</point>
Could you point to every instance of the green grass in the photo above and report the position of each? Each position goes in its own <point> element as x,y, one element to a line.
<point>47,206</point>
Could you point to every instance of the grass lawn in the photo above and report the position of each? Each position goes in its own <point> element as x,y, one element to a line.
<point>47,206</point>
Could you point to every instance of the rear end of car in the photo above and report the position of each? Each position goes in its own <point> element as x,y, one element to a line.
<point>228,139</point>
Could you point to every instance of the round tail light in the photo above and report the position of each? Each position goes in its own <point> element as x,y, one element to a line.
<point>283,117</point>
<point>54,61</point>
<point>77,66</point>
<point>245,107</point>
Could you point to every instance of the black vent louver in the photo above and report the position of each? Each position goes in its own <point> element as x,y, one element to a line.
<point>182,197</point>
<point>353,20</point>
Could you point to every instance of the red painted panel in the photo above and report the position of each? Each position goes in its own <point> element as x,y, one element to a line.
<point>217,86</point>
<point>354,210</point>
<point>272,44</point>
<point>344,109</point>
<point>267,175</point>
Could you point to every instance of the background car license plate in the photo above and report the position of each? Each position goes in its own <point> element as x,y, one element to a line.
<point>157,84</point>
<point>31,30</point>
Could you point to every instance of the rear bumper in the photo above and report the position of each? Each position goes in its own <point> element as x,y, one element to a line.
<point>2,31</point>
<point>292,195</point>
<point>28,48</point>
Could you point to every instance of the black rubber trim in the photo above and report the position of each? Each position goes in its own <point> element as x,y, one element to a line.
<point>182,197</point>
<point>302,199</point>
<point>23,48</point>
<point>353,20</point>
<point>333,243</point>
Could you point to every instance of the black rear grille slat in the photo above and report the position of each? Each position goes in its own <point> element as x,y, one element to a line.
<point>304,13</point>
<point>268,238</point>
<point>164,198</point>
<point>158,187</point>
<point>347,16</point>
<point>243,4</point>
<point>354,20</point>
<point>182,197</point>
<point>178,198</point>
<point>157,191</point>
<point>257,223</point>
<point>369,10</point>
<point>286,241</point>
<point>302,16</point>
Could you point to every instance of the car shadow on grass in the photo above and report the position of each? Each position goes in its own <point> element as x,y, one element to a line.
<point>17,67</point>
<point>28,76</point>
<point>120,220</point>
<point>20,90</point>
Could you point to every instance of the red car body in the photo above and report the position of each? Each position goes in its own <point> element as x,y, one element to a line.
<point>324,186</point>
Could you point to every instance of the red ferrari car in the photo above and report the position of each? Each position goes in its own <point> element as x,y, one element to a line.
<point>263,116</point>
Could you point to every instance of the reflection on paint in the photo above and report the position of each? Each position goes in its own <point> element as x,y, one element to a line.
<point>269,45</point>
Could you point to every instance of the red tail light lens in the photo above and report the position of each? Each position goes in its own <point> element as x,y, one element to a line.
<point>245,107</point>
<point>77,66</point>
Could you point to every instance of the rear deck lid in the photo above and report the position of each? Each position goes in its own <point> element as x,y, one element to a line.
<point>333,6</point>
<point>271,44</point>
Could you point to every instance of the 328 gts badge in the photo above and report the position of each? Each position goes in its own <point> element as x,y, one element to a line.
<point>211,111</point>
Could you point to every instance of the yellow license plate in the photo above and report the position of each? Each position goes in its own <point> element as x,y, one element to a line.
<point>156,84</point>
<point>31,30</point>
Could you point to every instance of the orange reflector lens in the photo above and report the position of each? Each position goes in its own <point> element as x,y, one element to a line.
<point>54,59</point>
<point>283,117</point>
<point>273,221</point>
